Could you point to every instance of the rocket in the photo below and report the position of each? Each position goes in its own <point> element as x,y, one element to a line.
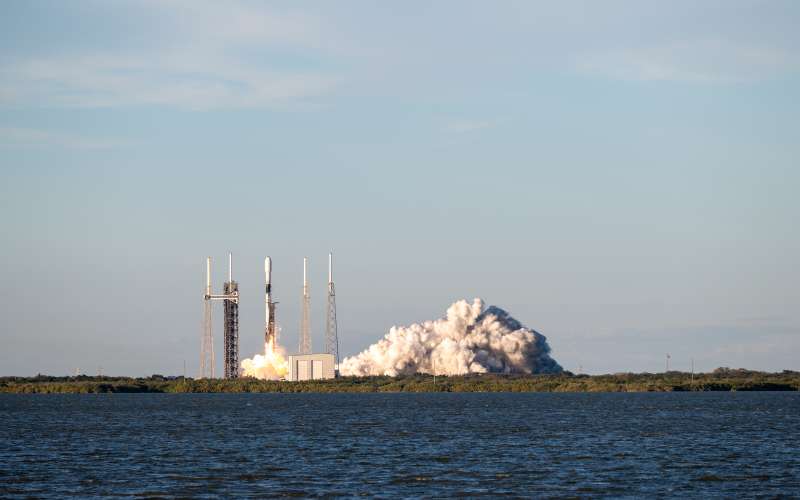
<point>269,307</point>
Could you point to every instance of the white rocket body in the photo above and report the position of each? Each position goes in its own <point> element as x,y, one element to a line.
<point>268,289</point>
<point>269,308</point>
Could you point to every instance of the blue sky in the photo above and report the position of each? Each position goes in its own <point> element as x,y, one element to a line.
<point>620,176</point>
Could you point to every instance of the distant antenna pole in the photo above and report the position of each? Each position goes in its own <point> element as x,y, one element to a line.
<point>331,326</point>
<point>305,320</point>
<point>207,336</point>
<point>667,362</point>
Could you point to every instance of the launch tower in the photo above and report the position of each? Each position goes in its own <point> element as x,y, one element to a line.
<point>230,334</point>
<point>230,327</point>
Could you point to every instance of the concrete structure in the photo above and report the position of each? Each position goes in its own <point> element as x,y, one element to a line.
<point>311,366</point>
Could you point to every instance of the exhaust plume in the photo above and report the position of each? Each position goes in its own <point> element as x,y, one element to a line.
<point>272,365</point>
<point>471,339</point>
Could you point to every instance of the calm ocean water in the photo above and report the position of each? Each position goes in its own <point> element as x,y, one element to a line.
<point>400,445</point>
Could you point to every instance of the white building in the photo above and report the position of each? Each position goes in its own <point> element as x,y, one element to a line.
<point>311,366</point>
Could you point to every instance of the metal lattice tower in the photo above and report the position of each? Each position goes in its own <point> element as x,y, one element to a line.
<point>207,334</point>
<point>231,332</point>
<point>231,325</point>
<point>305,320</point>
<point>331,327</point>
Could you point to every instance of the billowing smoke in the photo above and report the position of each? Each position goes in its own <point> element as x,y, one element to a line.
<point>471,339</point>
<point>272,365</point>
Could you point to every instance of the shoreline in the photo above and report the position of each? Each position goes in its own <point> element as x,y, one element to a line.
<point>718,380</point>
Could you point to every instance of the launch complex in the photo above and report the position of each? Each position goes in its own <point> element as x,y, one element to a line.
<point>302,366</point>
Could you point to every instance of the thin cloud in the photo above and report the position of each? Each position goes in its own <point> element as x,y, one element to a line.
<point>705,61</point>
<point>464,126</point>
<point>15,137</point>
<point>213,57</point>
<point>103,81</point>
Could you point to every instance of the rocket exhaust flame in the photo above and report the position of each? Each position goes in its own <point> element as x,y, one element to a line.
<point>471,339</point>
<point>272,365</point>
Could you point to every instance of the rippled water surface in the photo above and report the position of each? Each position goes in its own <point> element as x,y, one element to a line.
<point>435,445</point>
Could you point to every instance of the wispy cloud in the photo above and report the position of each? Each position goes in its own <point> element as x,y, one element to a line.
<point>703,61</point>
<point>202,54</point>
<point>14,137</point>
<point>212,58</point>
<point>464,126</point>
<point>104,81</point>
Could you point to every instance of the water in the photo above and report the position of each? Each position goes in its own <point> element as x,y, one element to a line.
<point>398,445</point>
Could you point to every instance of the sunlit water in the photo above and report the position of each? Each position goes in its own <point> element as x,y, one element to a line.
<point>697,445</point>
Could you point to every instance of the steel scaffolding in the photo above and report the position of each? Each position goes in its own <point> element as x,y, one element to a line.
<point>331,326</point>
<point>231,332</point>
<point>230,327</point>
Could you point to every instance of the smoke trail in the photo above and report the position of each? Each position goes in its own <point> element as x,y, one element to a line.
<point>272,365</point>
<point>470,339</point>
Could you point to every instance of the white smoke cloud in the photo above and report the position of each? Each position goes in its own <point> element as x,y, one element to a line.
<point>471,339</point>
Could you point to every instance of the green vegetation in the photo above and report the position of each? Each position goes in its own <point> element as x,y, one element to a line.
<point>721,379</point>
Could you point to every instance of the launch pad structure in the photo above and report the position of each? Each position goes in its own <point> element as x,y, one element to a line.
<point>230,298</point>
<point>230,326</point>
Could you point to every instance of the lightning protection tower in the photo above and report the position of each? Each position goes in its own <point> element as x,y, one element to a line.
<point>231,325</point>
<point>331,327</point>
<point>305,320</point>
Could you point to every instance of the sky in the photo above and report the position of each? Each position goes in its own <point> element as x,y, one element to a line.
<point>620,176</point>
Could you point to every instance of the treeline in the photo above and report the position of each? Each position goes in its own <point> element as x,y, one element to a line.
<point>721,379</point>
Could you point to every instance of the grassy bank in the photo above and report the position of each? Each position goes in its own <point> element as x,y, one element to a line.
<point>722,379</point>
